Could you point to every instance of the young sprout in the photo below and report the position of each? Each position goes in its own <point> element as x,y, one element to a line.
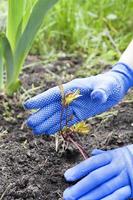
<point>81,128</point>
<point>68,132</point>
<point>70,97</point>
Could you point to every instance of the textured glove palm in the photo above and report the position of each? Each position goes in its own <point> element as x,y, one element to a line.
<point>98,94</point>
<point>104,176</point>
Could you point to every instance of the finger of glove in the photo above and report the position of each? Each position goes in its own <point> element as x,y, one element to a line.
<point>99,95</point>
<point>54,94</point>
<point>43,99</point>
<point>56,128</point>
<point>122,194</point>
<point>43,114</point>
<point>108,187</point>
<point>102,90</point>
<point>91,181</point>
<point>96,152</point>
<point>87,166</point>
<point>51,122</point>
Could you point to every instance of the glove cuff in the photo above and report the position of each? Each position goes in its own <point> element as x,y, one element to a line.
<point>128,153</point>
<point>126,73</point>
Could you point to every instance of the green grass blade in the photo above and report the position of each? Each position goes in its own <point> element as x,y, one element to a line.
<point>34,23</point>
<point>8,56</point>
<point>16,9</point>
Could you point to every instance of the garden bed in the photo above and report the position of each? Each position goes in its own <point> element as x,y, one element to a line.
<point>30,168</point>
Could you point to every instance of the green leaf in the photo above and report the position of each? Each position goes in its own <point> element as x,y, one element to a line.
<point>16,9</point>
<point>8,56</point>
<point>28,8</point>
<point>12,87</point>
<point>34,23</point>
<point>26,14</point>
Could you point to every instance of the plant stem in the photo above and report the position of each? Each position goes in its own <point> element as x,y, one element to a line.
<point>67,117</point>
<point>61,115</point>
<point>79,147</point>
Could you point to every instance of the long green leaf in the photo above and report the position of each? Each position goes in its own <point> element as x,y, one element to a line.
<point>24,44</point>
<point>16,9</point>
<point>26,14</point>
<point>28,8</point>
<point>8,56</point>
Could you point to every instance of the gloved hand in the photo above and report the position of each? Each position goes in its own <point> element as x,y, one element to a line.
<point>107,175</point>
<point>98,94</point>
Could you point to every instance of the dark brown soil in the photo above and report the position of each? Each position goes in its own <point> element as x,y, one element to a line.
<point>30,168</point>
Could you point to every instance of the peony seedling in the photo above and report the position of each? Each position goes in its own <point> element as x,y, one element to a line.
<point>81,128</point>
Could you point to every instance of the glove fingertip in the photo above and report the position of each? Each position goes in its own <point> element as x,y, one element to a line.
<point>30,123</point>
<point>37,131</point>
<point>26,105</point>
<point>31,104</point>
<point>68,176</point>
<point>67,194</point>
<point>99,95</point>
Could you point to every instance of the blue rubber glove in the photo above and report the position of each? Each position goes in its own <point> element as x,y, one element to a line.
<point>107,175</point>
<point>98,94</point>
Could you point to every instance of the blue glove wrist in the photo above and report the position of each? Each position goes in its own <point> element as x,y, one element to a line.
<point>126,74</point>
